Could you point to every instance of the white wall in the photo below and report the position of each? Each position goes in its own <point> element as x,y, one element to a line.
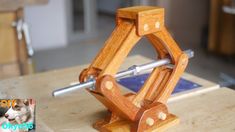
<point>48,24</point>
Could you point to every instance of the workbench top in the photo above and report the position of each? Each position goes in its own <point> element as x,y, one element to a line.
<point>207,108</point>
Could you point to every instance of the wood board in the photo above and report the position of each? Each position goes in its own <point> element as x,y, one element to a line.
<point>72,112</point>
<point>221,29</point>
<point>8,39</point>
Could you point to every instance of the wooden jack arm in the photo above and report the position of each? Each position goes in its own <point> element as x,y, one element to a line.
<point>116,48</point>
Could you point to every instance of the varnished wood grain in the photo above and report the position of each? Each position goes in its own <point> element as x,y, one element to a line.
<point>8,40</point>
<point>143,16</point>
<point>124,126</point>
<point>111,47</point>
<point>132,12</point>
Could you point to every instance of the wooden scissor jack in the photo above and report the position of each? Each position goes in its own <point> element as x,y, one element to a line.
<point>145,110</point>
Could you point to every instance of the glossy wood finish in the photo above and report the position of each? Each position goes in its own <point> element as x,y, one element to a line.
<point>8,39</point>
<point>146,18</point>
<point>140,110</point>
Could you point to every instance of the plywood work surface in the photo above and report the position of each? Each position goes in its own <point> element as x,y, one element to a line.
<point>78,110</point>
<point>211,111</point>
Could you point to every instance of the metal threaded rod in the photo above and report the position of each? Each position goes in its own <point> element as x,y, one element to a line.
<point>133,70</point>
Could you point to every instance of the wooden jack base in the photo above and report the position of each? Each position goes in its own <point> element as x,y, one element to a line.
<point>125,126</point>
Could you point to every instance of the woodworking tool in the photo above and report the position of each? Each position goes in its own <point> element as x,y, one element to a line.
<point>146,109</point>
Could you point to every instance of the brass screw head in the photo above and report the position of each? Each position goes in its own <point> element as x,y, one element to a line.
<point>157,25</point>
<point>149,121</point>
<point>138,104</point>
<point>146,27</point>
<point>162,115</point>
<point>109,85</point>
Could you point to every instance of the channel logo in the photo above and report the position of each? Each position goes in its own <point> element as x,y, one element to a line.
<point>17,115</point>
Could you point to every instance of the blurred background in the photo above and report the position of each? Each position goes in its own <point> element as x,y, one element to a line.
<point>40,35</point>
